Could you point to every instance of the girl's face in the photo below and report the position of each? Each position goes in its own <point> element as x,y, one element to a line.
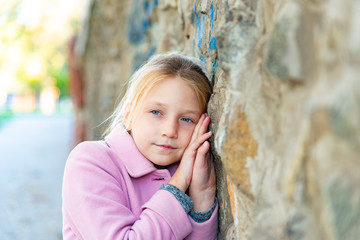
<point>166,121</point>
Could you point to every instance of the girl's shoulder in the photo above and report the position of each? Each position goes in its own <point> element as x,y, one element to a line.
<point>90,149</point>
<point>93,154</point>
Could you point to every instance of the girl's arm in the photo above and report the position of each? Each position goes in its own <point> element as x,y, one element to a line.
<point>96,204</point>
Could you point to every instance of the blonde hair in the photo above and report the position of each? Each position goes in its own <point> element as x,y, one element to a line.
<point>159,68</point>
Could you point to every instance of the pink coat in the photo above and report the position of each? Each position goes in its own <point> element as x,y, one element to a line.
<point>111,191</point>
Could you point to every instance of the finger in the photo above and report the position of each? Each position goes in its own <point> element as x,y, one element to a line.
<point>197,127</point>
<point>204,126</point>
<point>185,168</point>
<point>210,161</point>
<point>200,140</point>
<point>201,155</point>
<point>204,149</point>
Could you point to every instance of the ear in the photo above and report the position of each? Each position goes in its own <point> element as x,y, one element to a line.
<point>127,121</point>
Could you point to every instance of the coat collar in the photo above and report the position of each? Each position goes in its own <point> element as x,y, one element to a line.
<point>121,142</point>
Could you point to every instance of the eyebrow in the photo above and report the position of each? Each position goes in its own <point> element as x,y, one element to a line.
<point>165,106</point>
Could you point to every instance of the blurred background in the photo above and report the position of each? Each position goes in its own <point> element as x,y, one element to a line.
<point>36,113</point>
<point>33,67</point>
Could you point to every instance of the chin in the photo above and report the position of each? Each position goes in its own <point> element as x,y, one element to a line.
<point>163,164</point>
<point>159,166</point>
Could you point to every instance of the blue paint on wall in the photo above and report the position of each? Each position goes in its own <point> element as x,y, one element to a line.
<point>227,5</point>
<point>138,61</point>
<point>151,52</point>
<point>202,35</point>
<point>199,22</point>
<point>139,20</point>
<point>135,33</point>
<point>149,7</point>
<point>202,58</point>
<point>212,16</point>
<point>146,5</point>
<point>146,25</point>
<point>212,44</point>
<point>202,28</point>
<point>141,57</point>
<point>215,65</point>
<point>195,17</point>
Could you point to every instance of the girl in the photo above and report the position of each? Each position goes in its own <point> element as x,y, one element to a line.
<point>152,177</point>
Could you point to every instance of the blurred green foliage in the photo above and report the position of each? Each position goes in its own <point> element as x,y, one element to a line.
<point>41,57</point>
<point>61,77</point>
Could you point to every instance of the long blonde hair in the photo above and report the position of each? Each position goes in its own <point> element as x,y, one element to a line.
<point>159,68</point>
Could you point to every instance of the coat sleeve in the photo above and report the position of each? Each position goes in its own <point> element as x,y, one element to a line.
<point>95,204</point>
<point>206,230</point>
<point>205,224</point>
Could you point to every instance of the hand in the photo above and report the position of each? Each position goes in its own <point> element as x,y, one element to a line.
<point>202,188</point>
<point>182,177</point>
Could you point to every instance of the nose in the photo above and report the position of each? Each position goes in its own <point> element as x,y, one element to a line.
<point>170,128</point>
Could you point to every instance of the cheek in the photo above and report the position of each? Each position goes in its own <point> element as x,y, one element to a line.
<point>141,131</point>
<point>187,134</point>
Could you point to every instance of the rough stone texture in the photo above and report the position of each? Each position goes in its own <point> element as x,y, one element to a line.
<point>285,106</point>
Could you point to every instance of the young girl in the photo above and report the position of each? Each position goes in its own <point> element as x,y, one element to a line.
<point>152,177</point>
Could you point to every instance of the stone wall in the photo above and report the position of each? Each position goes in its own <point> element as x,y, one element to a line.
<point>285,108</point>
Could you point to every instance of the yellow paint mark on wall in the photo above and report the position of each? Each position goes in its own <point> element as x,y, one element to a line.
<point>231,196</point>
<point>239,144</point>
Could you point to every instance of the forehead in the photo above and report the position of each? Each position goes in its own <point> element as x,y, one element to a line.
<point>175,93</point>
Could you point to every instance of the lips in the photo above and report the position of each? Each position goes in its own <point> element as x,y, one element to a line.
<point>166,147</point>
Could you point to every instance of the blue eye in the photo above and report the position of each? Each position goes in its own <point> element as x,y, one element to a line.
<point>155,112</point>
<point>188,120</point>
